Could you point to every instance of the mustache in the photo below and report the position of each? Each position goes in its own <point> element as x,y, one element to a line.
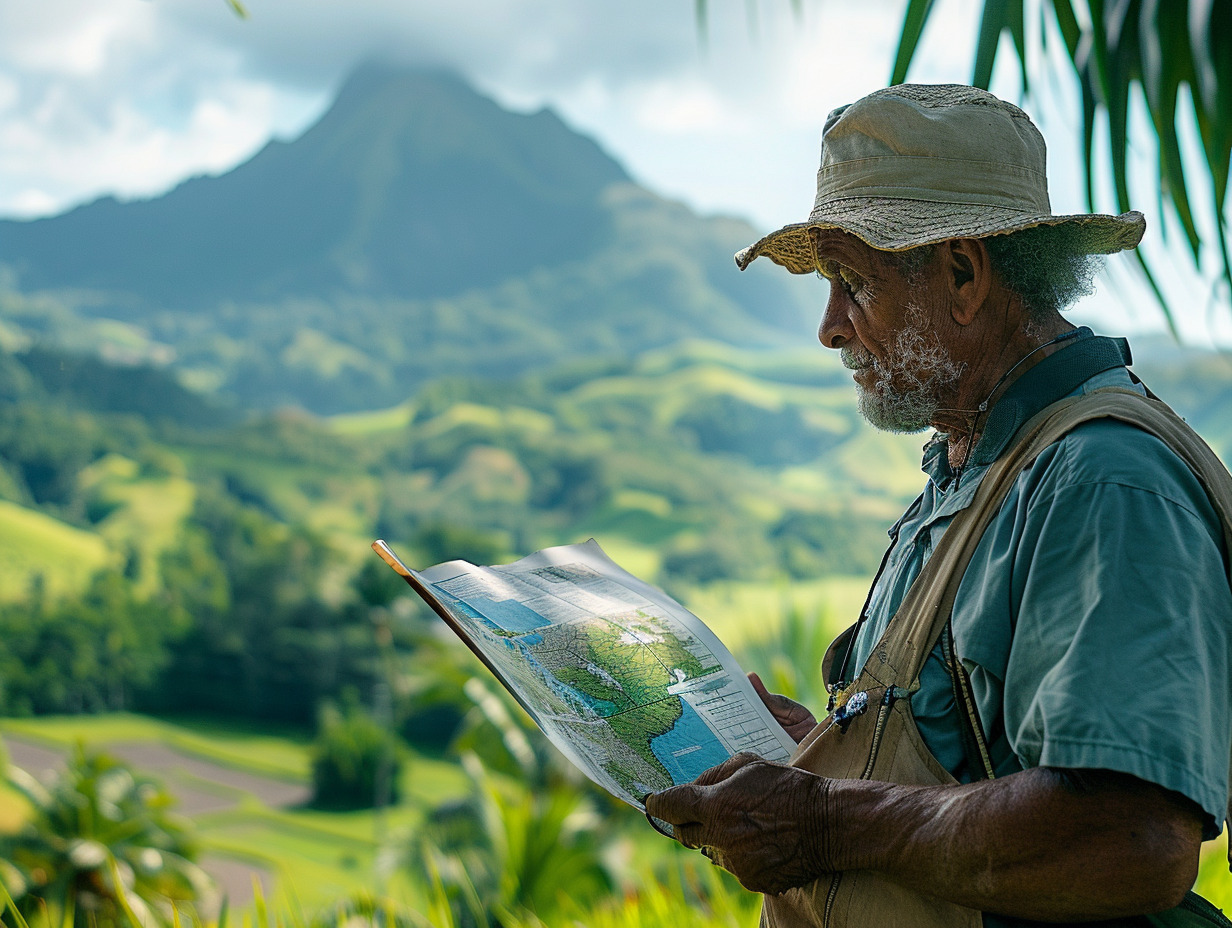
<point>856,358</point>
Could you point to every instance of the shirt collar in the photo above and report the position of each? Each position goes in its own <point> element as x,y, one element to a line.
<point>1053,378</point>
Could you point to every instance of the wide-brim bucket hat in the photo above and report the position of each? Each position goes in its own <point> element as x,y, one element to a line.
<point>916,164</point>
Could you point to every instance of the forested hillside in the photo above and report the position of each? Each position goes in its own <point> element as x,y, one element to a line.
<point>519,347</point>
<point>236,548</point>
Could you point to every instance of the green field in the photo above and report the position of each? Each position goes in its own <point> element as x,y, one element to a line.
<point>33,544</point>
<point>309,858</point>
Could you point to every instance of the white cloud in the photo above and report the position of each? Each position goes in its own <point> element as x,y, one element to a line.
<point>33,202</point>
<point>127,95</point>
<point>672,109</point>
<point>56,153</point>
<point>70,37</point>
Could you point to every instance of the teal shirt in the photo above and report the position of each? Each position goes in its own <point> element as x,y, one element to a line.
<point>1095,618</point>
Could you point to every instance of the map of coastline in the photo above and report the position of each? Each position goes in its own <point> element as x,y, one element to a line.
<point>634,689</point>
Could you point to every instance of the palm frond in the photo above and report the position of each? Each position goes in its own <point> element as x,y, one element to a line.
<point>913,26</point>
<point>1163,47</point>
<point>999,16</point>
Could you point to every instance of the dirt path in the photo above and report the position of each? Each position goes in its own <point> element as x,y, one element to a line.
<point>200,786</point>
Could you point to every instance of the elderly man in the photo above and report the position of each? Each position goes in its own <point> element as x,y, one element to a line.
<point>1030,722</point>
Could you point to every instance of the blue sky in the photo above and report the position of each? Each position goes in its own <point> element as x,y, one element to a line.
<point>128,97</point>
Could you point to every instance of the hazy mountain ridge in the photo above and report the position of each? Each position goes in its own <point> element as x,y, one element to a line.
<point>408,177</point>
<point>417,229</point>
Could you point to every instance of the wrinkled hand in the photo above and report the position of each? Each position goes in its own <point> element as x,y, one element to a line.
<point>764,822</point>
<point>795,719</point>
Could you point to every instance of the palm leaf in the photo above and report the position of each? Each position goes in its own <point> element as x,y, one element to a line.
<point>1067,22</point>
<point>1120,60</point>
<point>1163,73</point>
<point>999,16</point>
<point>913,26</point>
<point>1160,45</point>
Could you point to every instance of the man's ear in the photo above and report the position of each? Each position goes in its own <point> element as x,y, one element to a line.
<point>968,274</point>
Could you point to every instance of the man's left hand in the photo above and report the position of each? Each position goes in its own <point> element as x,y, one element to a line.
<point>764,822</point>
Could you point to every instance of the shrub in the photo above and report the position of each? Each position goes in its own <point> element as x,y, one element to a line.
<point>355,761</point>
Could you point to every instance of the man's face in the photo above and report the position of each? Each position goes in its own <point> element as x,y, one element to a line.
<point>886,327</point>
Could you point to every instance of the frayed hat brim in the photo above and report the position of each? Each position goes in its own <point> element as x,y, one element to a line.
<point>899,224</point>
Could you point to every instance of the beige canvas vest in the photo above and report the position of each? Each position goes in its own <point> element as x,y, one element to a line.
<point>884,743</point>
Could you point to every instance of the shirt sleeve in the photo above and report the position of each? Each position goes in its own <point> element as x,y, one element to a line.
<point>1121,616</point>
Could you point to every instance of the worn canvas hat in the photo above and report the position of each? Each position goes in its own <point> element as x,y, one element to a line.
<point>921,163</point>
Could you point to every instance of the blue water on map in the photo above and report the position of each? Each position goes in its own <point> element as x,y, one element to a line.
<point>601,707</point>
<point>689,748</point>
<point>509,615</point>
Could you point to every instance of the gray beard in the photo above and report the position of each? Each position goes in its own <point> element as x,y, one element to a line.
<point>908,385</point>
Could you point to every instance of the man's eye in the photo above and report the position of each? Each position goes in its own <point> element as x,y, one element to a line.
<point>852,282</point>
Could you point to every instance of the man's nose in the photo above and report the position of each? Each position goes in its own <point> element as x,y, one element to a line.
<point>835,329</point>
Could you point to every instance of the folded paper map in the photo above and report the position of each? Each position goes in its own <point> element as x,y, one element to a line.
<point>632,687</point>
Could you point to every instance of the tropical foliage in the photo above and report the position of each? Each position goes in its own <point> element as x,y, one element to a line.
<point>508,851</point>
<point>1177,55</point>
<point>100,847</point>
<point>788,657</point>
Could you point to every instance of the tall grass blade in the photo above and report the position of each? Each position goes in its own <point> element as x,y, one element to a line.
<point>11,906</point>
<point>258,904</point>
<point>121,896</point>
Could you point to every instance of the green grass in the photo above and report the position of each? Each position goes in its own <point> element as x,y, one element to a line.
<point>32,543</point>
<point>147,518</point>
<point>1214,882</point>
<point>366,424</point>
<point>316,857</point>
<point>315,351</point>
<point>145,515</point>
<point>637,523</point>
<point>743,611</point>
<point>281,756</point>
<point>13,809</point>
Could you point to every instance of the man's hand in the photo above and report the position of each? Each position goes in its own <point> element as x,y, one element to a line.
<point>795,719</point>
<point>763,822</point>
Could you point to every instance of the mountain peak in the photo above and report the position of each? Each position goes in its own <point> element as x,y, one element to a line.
<point>417,230</point>
<point>409,174</point>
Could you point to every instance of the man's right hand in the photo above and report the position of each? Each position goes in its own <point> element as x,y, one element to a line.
<point>795,719</point>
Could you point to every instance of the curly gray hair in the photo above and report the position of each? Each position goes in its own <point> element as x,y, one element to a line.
<point>1046,266</point>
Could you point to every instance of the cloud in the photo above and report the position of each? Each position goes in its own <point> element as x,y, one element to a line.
<point>127,96</point>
